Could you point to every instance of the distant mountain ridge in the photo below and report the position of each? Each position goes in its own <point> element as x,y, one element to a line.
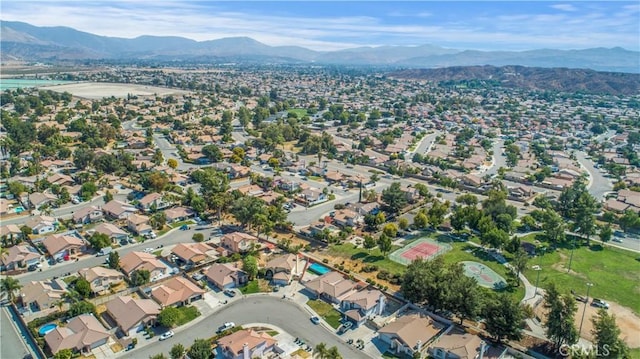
<point>533,78</point>
<point>22,41</point>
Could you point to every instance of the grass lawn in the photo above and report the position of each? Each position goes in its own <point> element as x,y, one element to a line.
<point>273,333</point>
<point>326,311</point>
<point>251,287</point>
<point>179,224</point>
<point>366,256</point>
<point>157,253</point>
<point>635,353</point>
<point>187,314</point>
<point>70,279</point>
<point>301,112</point>
<point>612,271</point>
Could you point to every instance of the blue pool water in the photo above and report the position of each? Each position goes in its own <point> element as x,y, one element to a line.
<point>18,209</point>
<point>46,328</point>
<point>319,269</point>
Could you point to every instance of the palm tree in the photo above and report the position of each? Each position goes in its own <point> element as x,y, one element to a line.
<point>10,285</point>
<point>321,351</point>
<point>333,353</point>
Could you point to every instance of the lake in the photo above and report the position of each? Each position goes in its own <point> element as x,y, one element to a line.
<point>12,84</point>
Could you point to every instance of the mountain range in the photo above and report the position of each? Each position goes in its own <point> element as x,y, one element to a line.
<point>25,42</point>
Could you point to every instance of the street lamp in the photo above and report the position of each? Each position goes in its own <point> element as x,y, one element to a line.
<point>536,268</point>
<point>584,309</point>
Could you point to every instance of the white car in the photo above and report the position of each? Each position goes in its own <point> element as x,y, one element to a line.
<point>166,335</point>
<point>148,250</point>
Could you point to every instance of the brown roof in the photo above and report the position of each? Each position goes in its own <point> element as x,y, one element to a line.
<point>128,312</point>
<point>285,261</point>
<point>81,331</point>
<point>222,274</point>
<point>411,329</point>
<point>366,299</point>
<point>109,229</point>
<point>464,345</point>
<point>133,261</point>
<point>117,208</point>
<point>19,253</point>
<point>235,342</point>
<point>148,199</point>
<point>195,252</point>
<point>58,242</point>
<point>175,290</point>
<point>332,284</point>
<point>177,212</point>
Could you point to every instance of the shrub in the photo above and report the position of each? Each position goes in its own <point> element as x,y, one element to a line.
<point>198,237</point>
<point>325,261</point>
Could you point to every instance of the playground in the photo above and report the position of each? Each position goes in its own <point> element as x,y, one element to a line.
<point>424,248</point>
<point>484,275</point>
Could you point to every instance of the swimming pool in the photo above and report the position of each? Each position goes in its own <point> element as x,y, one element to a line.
<point>18,210</point>
<point>47,328</point>
<point>319,269</point>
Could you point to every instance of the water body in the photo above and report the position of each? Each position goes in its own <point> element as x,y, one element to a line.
<point>6,84</point>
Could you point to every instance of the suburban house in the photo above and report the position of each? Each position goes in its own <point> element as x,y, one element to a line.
<point>63,245</point>
<point>86,215</point>
<point>457,345</point>
<point>42,224</point>
<point>10,232</point>
<point>134,261</point>
<point>118,210</point>
<point>312,196</point>
<point>132,315</point>
<point>39,199</point>
<point>332,287</point>
<point>112,231</point>
<point>362,305</point>
<point>101,279</point>
<point>365,208</point>
<point>246,344</point>
<point>193,253</point>
<point>19,256</point>
<point>40,295</point>
<point>281,269</point>
<point>226,276</point>
<point>177,291</point>
<point>151,201</point>
<point>139,224</point>
<point>347,218</point>
<point>81,334</point>
<point>238,242</point>
<point>409,334</point>
<point>178,214</point>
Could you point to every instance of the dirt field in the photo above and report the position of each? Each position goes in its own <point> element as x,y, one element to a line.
<point>627,320</point>
<point>98,90</point>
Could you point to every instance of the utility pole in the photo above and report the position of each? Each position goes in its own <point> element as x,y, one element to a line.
<point>536,268</point>
<point>584,309</point>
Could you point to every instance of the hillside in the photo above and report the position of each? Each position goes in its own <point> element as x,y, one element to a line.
<point>533,78</point>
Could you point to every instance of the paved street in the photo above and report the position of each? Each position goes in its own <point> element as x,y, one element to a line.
<point>598,184</point>
<point>255,309</point>
<point>498,159</point>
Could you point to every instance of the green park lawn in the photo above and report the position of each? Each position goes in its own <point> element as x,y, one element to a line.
<point>301,112</point>
<point>614,273</point>
<point>366,256</point>
<point>326,311</point>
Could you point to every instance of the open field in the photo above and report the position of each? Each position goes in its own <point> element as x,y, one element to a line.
<point>98,90</point>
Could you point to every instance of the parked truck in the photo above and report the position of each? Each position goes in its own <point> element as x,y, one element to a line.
<point>104,251</point>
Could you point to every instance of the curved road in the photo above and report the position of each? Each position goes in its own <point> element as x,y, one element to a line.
<point>254,309</point>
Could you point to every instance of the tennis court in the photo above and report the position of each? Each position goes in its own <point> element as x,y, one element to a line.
<point>424,248</point>
<point>484,275</point>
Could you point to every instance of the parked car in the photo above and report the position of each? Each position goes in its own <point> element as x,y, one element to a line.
<point>184,227</point>
<point>599,303</point>
<point>225,326</point>
<point>230,292</point>
<point>148,250</point>
<point>166,335</point>
<point>104,251</point>
<point>315,320</point>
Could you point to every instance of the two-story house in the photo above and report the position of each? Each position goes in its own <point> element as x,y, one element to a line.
<point>246,344</point>
<point>86,215</point>
<point>153,201</point>
<point>362,305</point>
<point>101,279</point>
<point>238,242</point>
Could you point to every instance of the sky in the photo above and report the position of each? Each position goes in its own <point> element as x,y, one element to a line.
<point>333,25</point>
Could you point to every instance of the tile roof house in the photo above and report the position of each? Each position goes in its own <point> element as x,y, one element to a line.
<point>281,269</point>
<point>246,344</point>
<point>238,242</point>
<point>139,224</point>
<point>59,245</point>
<point>194,253</point>
<point>131,314</point>
<point>10,231</point>
<point>114,232</point>
<point>38,199</point>
<point>42,224</point>
<point>331,286</point>
<point>226,276</point>
<point>176,291</point>
<point>86,215</point>
<point>82,334</point>
<point>457,345</point>
<point>178,214</point>
<point>364,304</point>
<point>347,218</point>
<point>147,202</point>
<point>118,210</point>
<point>134,261</point>
<point>42,295</point>
<point>409,334</point>
<point>19,256</point>
<point>100,278</point>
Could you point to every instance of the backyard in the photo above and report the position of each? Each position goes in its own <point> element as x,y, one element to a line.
<point>326,311</point>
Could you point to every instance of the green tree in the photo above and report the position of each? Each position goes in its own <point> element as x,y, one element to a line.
<point>369,242</point>
<point>250,266</point>
<point>212,153</point>
<point>394,198</point>
<point>10,285</point>
<point>177,351</point>
<point>384,243</point>
<point>245,209</point>
<point>463,294</point>
<point>630,220</point>
<point>553,226</point>
<point>320,351</point>
<point>605,233</point>
<point>420,220</point>
<point>83,287</point>
<point>436,213</point>
<point>81,307</point>
<point>198,237</point>
<point>172,163</point>
<point>140,277</point>
<point>63,354</point>
<point>560,327</point>
<point>87,190</point>
<point>158,356</point>
<point>403,223</point>
<point>504,317</point>
<point>607,336</point>
<point>333,353</point>
<point>158,220</point>
<point>99,241</point>
<point>200,349</point>
<point>519,263</point>
<point>169,317</point>
<point>390,230</point>
<point>107,197</point>
<point>114,260</point>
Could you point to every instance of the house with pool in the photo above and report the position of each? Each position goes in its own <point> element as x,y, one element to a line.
<point>81,334</point>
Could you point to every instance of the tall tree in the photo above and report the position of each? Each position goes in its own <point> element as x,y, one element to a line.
<point>177,351</point>
<point>394,198</point>
<point>10,285</point>
<point>320,351</point>
<point>553,226</point>
<point>607,336</point>
<point>384,243</point>
<point>519,263</point>
<point>114,260</point>
<point>250,266</point>
<point>560,327</point>
<point>504,318</point>
<point>605,233</point>
<point>200,349</point>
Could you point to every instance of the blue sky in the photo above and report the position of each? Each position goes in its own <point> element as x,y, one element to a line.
<point>331,25</point>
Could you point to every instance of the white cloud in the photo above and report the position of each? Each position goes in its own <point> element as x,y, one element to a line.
<point>564,7</point>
